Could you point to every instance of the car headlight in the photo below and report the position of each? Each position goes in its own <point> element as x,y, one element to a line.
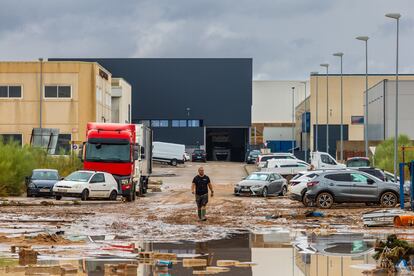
<point>32,185</point>
<point>257,186</point>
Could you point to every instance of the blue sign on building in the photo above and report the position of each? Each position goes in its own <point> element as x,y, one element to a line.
<point>306,122</point>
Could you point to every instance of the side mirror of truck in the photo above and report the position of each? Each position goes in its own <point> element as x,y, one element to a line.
<point>82,150</point>
<point>135,155</point>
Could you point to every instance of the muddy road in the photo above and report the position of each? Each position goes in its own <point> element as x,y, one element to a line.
<point>171,214</point>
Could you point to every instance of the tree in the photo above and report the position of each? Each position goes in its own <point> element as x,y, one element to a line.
<point>384,153</point>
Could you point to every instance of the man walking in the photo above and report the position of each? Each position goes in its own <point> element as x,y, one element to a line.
<point>201,184</point>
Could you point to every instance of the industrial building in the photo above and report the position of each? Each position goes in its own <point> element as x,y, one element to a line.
<point>381,109</point>
<point>274,103</point>
<point>63,95</point>
<point>120,101</point>
<point>353,108</point>
<point>202,103</point>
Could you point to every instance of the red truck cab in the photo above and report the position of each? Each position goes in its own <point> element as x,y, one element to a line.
<point>113,148</point>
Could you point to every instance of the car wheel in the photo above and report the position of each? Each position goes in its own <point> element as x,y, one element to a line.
<point>174,162</point>
<point>305,200</point>
<point>84,195</point>
<point>113,195</point>
<point>58,197</point>
<point>324,200</point>
<point>264,192</point>
<point>388,200</point>
<point>284,191</point>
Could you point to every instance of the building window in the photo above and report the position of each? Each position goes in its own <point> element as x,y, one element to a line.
<point>159,123</point>
<point>193,123</point>
<point>63,144</point>
<point>179,123</point>
<point>357,120</point>
<point>10,91</point>
<point>8,138</point>
<point>58,91</point>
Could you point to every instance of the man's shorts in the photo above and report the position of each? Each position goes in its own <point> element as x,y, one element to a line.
<point>201,200</point>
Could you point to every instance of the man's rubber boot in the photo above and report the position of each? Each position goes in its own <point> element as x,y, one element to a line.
<point>203,215</point>
<point>199,214</point>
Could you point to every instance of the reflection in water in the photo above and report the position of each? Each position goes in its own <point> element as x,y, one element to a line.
<point>275,253</point>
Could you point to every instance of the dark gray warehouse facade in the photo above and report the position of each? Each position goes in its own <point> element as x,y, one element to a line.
<point>199,102</point>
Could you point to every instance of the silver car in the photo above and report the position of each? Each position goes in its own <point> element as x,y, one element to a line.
<point>346,186</point>
<point>262,184</point>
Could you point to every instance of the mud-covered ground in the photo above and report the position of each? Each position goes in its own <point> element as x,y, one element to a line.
<point>171,214</point>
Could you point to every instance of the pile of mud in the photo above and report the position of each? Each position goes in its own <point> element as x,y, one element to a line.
<point>42,238</point>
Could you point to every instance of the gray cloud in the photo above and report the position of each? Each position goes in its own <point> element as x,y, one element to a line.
<point>286,38</point>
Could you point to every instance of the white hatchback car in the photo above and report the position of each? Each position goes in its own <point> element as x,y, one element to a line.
<point>298,185</point>
<point>87,184</point>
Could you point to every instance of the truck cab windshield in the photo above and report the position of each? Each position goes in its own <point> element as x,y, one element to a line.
<point>108,152</point>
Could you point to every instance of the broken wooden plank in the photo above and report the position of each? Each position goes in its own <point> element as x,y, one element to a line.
<point>194,262</point>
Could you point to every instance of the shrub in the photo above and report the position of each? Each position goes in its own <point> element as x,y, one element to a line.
<point>17,162</point>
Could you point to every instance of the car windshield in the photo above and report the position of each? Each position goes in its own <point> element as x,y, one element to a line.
<point>198,151</point>
<point>254,153</point>
<point>102,152</point>
<point>257,176</point>
<point>358,163</point>
<point>79,176</point>
<point>45,175</point>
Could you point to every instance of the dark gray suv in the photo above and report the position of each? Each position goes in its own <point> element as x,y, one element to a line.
<point>347,186</point>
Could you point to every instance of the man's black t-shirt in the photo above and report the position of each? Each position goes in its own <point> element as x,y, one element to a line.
<point>201,183</point>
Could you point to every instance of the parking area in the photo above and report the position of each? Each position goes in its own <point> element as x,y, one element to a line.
<point>174,208</point>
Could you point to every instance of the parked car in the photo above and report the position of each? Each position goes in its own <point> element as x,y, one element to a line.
<point>41,182</point>
<point>199,155</point>
<point>87,184</point>
<point>252,157</point>
<point>357,162</point>
<point>347,186</point>
<point>262,158</point>
<point>186,157</point>
<point>262,184</point>
<point>285,167</point>
<point>323,160</point>
<point>374,171</point>
<point>298,185</point>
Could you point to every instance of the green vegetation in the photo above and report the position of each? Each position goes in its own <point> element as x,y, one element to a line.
<point>384,153</point>
<point>17,162</point>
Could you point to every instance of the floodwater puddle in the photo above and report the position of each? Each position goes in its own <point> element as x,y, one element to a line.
<point>274,252</point>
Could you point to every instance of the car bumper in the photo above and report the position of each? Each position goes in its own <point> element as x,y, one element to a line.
<point>248,191</point>
<point>40,191</point>
<point>67,194</point>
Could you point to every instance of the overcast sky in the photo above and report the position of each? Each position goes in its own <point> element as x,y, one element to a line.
<point>287,39</point>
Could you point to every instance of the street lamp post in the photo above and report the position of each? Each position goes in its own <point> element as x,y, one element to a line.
<point>40,100</point>
<point>397,17</point>
<point>326,65</point>
<point>365,39</point>
<point>293,120</point>
<point>306,128</point>
<point>342,109</point>
<point>316,111</point>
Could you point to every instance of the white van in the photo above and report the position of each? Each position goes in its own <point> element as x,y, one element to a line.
<point>323,160</point>
<point>286,167</point>
<point>170,153</point>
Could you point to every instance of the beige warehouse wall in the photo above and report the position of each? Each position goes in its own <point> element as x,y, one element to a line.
<point>69,115</point>
<point>353,96</point>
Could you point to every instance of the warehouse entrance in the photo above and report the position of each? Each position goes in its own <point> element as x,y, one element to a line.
<point>226,144</point>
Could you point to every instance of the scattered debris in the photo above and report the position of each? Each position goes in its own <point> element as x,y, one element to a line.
<point>27,256</point>
<point>194,262</point>
<point>216,269</point>
<point>121,269</point>
<point>381,218</point>
<point>245,264</point>
<point>403,220</point>
<point>226,262</point>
